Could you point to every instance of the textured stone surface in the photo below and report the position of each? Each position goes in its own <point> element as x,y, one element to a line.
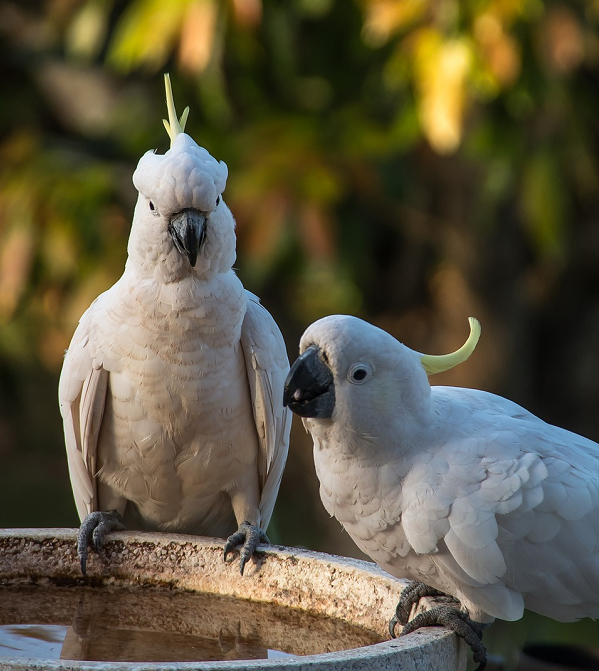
<point>347,589</point>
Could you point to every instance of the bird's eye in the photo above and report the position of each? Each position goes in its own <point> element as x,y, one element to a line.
<point>358,373</point>
<point>152,206</point>
<point>217,201</point>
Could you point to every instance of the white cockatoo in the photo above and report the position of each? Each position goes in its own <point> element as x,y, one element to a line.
<point>459,489</point>
<point>171,390</point>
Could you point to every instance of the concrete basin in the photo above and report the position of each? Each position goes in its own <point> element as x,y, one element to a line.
<point>304,601</point>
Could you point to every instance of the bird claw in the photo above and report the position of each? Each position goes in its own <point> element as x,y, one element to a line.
<point>93,531</point>
<point>458,622</point>
<point>393,622</point>
<point>250,536</point>
<point>449,616</point>
<point>410,596</point>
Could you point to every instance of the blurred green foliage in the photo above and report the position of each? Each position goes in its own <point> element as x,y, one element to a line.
<point>411,161</point>
<point>371,145</point>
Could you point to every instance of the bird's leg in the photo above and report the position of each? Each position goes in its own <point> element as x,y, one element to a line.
<point>93,530</point>
<point>249,536</point>
<point>450,616</point>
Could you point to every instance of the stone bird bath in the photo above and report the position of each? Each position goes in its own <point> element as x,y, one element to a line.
<point>147,591</point>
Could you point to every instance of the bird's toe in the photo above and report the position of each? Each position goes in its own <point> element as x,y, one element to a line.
<point>410,597</point>
<point>93,531</point>
<point>459,622</point>
<point>249,537</point>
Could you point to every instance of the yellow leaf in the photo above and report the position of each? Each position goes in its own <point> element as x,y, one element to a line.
<point>441,71</point>
<point>385,18</point>
<point>147,34</point>
<point>197,35</point>
<point>500,51</point>
<point>87,31</point>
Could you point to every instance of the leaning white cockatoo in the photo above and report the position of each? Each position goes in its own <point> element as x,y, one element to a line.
<point>459,489</point>
<point>171,390</point>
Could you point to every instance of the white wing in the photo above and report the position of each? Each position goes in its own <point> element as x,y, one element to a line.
<point>267,367</point>
<point>512,510</point>
<point>82,395</point>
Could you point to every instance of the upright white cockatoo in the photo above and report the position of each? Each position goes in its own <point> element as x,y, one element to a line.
<point>171,391</point>
<point>459,489</point>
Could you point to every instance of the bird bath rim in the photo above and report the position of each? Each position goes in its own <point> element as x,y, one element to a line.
<point>348,589</point>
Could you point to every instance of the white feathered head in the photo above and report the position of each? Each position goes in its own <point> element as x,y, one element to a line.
<point>354,372</point>
<point>180,194</point>
<point>186,176</point>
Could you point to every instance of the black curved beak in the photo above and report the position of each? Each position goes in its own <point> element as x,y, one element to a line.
<point>188,230</point>
<point>309,387</point>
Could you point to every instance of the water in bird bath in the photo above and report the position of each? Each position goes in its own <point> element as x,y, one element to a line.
<point>150,625</point>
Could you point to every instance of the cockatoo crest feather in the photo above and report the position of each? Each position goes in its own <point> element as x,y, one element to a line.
<point>186,176</point>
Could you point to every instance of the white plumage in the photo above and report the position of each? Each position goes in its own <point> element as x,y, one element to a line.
<point>457,488</point>
<point>171,389</point>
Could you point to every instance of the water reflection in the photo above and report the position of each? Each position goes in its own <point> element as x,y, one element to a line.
<point>149,625</point>
<point>42,641</point>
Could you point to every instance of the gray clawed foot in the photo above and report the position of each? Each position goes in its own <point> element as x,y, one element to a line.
<point>250,536</point>
<point>409,598</point>
<point>92,532</point>
<point>459,622</point>
<point>450,616</point>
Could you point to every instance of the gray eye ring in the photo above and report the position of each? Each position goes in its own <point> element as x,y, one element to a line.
<point>359,373</point>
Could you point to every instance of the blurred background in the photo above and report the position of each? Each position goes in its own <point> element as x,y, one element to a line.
<point>413,162</point>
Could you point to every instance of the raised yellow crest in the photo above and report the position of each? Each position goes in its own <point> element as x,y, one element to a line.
<point>174,126</point>
<point>438,363</point>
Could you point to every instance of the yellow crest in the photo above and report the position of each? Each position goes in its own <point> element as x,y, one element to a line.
<point>438,363</point>
<point>174,126</point>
